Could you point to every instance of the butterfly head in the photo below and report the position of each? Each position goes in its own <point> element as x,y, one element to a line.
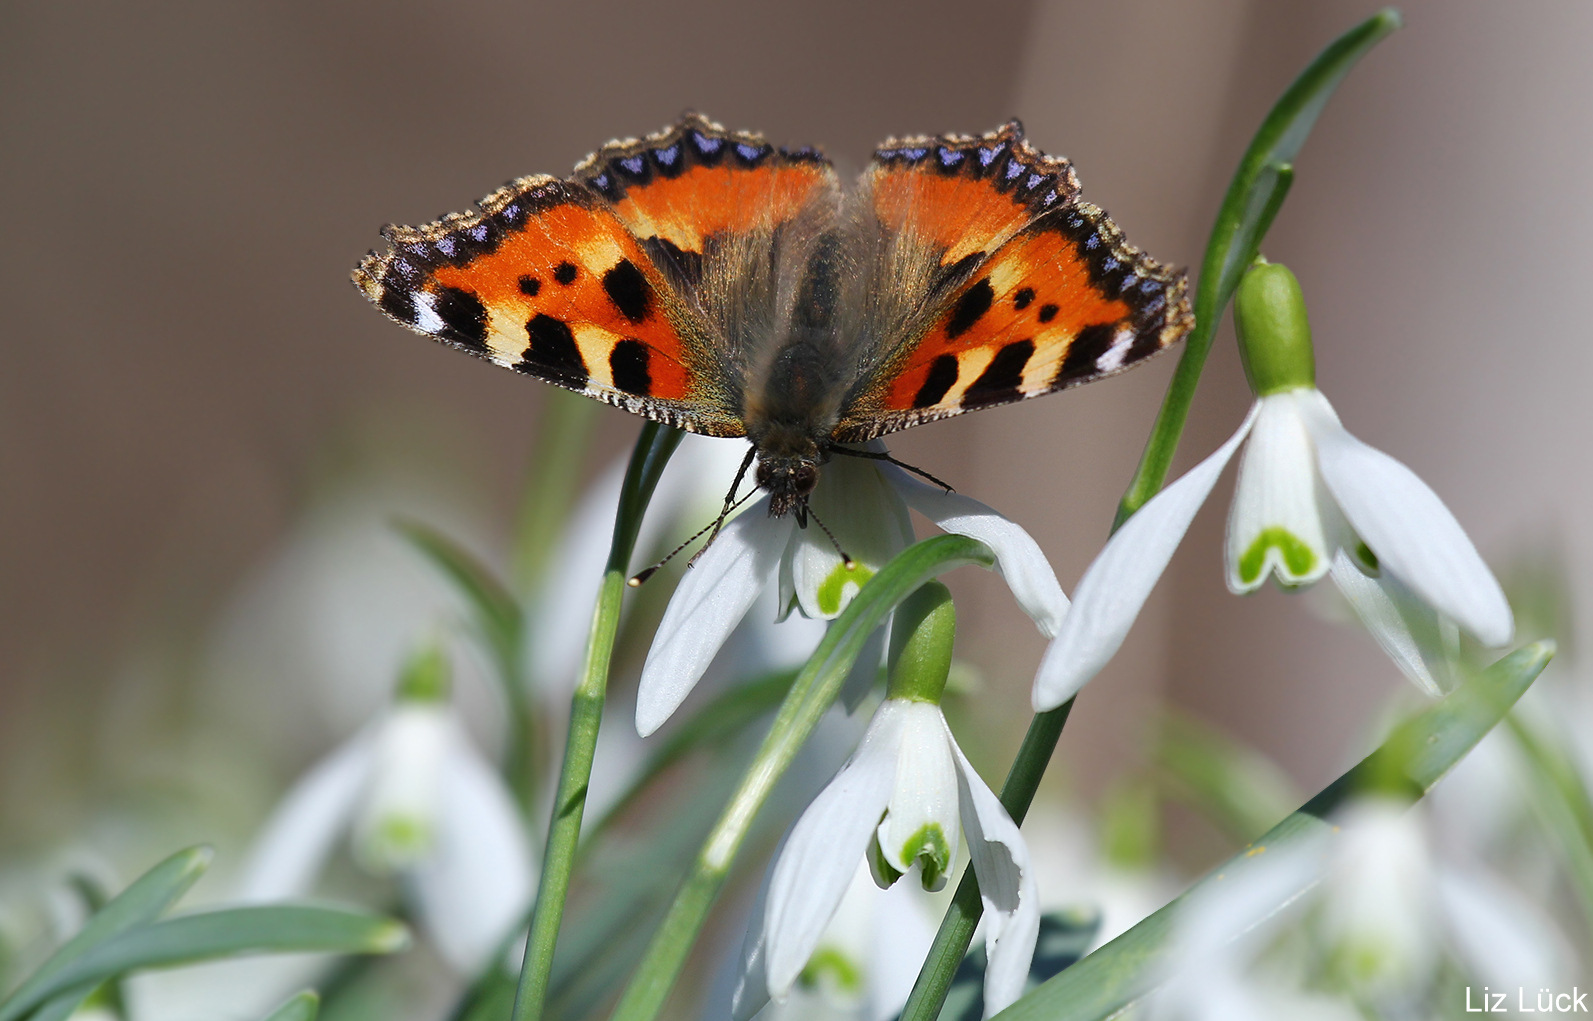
<point>788,469</point>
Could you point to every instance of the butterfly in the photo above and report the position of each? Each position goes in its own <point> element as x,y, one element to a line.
<point>708,280</point>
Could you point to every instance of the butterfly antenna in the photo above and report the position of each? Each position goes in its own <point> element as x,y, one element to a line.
<point>875,455</point>
<point>807,512</point>
<point>731,503</point>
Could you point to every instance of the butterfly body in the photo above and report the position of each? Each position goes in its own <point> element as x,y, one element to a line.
<point>710,281</point>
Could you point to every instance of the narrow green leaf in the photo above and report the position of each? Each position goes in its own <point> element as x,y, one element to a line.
<point>1417,754</point>
<point>1238,789</point>
<point>497,612</point>
<point>146,899</point>
<point>709,727</point>
<point>212,934</point>
<point>64,1006</point>
<point>1562,802</point>
<point>1255,194</point>
<point>303,1007</point>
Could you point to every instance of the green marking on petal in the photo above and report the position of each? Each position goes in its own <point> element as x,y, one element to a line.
<point>833,594</point>
<point>884,873</point>
<point>1367,559</point>
<point>827,962</point>
<point>1298,557</point>
<point>933,852</point>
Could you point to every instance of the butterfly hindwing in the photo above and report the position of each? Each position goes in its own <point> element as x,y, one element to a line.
<point>1058,300</point>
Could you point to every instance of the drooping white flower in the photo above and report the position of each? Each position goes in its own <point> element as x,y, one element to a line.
<point>865,504</point>
<point>418,801</point>
<point>1310,500</point>
<point>907,798</point>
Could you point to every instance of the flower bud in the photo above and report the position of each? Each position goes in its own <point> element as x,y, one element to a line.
<point>1274,333</point>
<point>922,634</point>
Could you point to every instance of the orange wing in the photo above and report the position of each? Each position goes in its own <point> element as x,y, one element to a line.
<point>592,284</point>
<point>1041,290</point>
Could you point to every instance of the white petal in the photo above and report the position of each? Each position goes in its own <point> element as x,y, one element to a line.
<point>1115,586</point>
<point>1000,858</point>
<point>1378,898</point>
<point>479,884</point>
<point>1409,529</point>
<point>821,855</point>
<point>1018,556</point>
<point>1276,522</point>
<point>925,792</point>
<point>297,840</point>
<point>396,825</point>
<point>1407,629</point>
<point>870,521</point>
<point>1505,938</point>
<point>707,605</point>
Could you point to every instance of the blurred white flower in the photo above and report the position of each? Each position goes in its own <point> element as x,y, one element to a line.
<point>865,504</point>
<point>418,801</point>
<point>907,797</point>
<point>1310,499</point>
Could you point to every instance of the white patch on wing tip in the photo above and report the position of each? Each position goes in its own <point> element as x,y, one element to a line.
<point>1112,358</point>
<point>426,317</point>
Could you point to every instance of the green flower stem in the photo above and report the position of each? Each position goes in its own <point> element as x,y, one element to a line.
<point>957,928</point>
<point>652,453</point>
<point>815,688</point>
<point>1254,196</point>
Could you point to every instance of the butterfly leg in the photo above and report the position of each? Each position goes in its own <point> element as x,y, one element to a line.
<point>881,455</point>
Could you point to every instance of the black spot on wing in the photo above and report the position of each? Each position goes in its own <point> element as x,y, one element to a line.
<point>1021,300</point>
<point>942,377</point>
<point>530,285</point>
<point>399,303</point>
<point>951,277</point>
<point>1002,377</point>
<point>973,304</point>
<point>464,316</point>
<point>629,290</point>
<point>552,350</point>
<point>564,273</point>
<point>628,362</point>
<point>1085,350</point>
<point>1048,313</point>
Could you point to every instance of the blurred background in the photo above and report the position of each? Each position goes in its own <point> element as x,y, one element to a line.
<point>190,380</point>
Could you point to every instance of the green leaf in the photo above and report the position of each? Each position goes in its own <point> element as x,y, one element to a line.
<point>1562,801</point>
<point>712,726</point>
<point>212,934</point>
<point>146,899</point>
<point>1413,758</point>
<point>496,611</point>
<point>1255,194</point>
<point>302,1007</point>
<point>1235,787</point>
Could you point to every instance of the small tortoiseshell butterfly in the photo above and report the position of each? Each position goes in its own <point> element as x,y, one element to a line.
<point>713,282</point>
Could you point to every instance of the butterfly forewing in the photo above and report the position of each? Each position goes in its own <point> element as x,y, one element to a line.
<point>1056,300</point>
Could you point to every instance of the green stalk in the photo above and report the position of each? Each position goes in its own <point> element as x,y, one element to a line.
<point>815,688</point>
<point>652,453</point>
<point>1254,197</point>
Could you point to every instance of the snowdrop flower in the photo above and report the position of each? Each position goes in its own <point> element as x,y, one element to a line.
<point>420,802</point>
<point>865,504</point>
<point>908,798</point>
<point>1311,500</point>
